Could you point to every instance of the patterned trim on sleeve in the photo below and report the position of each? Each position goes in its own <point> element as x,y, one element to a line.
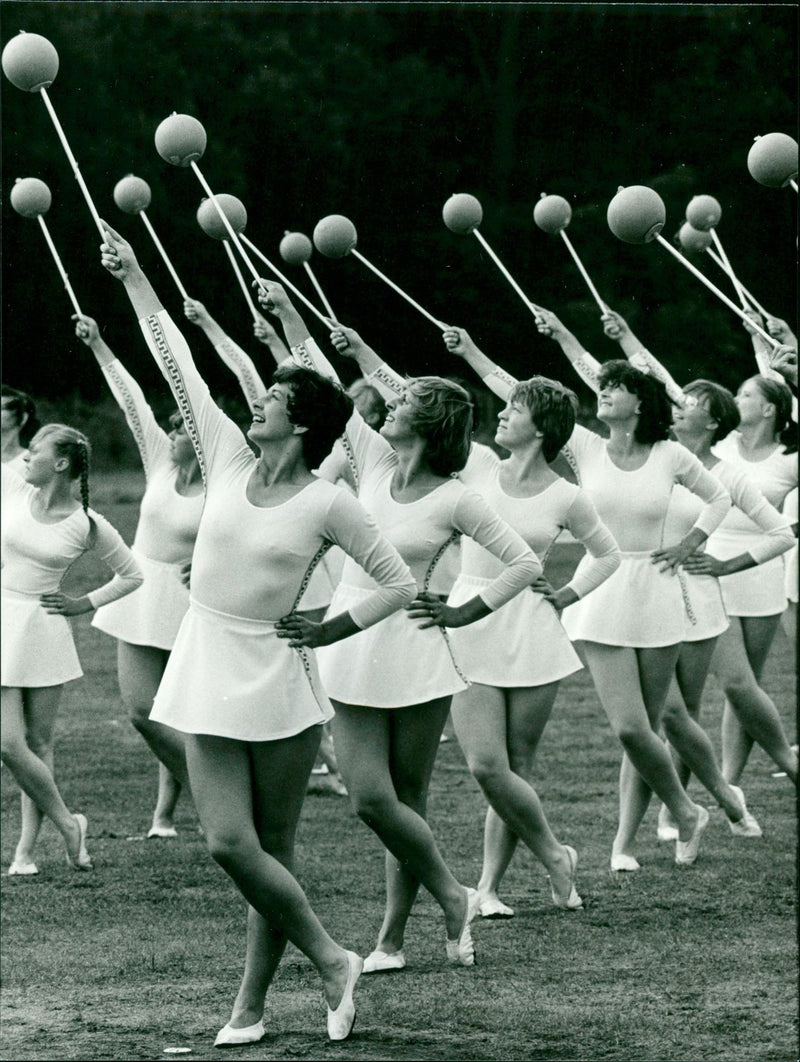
<point>506,378</point>
<point>175,377</point>
<point>388,380</point>
<point>323,549</point>
<point>351,458</point>
<point>131,414</point>
<point>302,357</point>
<point>569,457</point>
<point>243,369</point>
<point>587,368</point>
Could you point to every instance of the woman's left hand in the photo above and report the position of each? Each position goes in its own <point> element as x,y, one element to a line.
<point>704,564</point>
<point>63,605</point>
<point>671,558</point>
<point>433,610</point>
<point>301,631</point>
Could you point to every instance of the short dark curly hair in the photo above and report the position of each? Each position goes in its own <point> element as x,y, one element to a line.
<point>655,414</point>
<point>24,410</point>
<point>318,404</point>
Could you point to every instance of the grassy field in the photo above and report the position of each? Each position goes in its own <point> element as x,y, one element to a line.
<point>144,953</point>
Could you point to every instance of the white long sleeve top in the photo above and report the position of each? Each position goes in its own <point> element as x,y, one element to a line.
<point>252,561</point>
<point>422,530</point>
<point>37,555</point>
<point>168,521</point>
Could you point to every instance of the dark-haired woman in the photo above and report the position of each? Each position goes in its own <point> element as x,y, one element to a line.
<point>18,426</point>
<point>392,687</point>
<point>44,530</point>
<point>240,683</point>
<point>629,630</point>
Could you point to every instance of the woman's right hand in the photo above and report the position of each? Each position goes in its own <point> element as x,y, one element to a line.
<point>263,330</point>
<point>86,328</point>
<point>547,324</point>
<point>780,330</point>
<point>458,341</point>
<point>195,312</point>
<point>614,325</point>
<point>116,255</point>
<point>347,341</point>
<point>272,297</point>
<point>753,316</point>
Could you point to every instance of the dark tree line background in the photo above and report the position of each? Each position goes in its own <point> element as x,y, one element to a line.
<point>380,112</point>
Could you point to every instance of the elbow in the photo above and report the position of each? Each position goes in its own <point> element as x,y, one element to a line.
<point>533,567</point>
<point>408,591</point>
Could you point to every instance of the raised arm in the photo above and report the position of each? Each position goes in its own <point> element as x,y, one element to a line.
<point>238,361</point>
<point>459,342</point>
<point>212,433</point>
<point>616,327</point>
<point>151,440</point>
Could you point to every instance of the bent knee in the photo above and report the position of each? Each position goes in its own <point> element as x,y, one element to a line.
<point>373,806</point>
<point>139,713</point>
<point>488,773</point>
<point>227,846</point>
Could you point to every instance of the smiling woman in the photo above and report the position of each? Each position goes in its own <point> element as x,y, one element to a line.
<point>241,684</point>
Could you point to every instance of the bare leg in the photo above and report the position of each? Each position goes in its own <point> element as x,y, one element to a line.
<point>140,669</point>
<point>375,747</point>
<point>31,774</point>
<point>632,685</point>
<point>169,791</point>
<point>738,662</point>
<point>40,709</point>
<point>499,731</point>
<point>499,845</point>
<point>689,739</point>
<point>247,796</point>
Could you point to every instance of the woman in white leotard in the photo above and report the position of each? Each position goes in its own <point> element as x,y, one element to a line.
<point>392,688</point>
<point>44,531</point>
<point>631,627</point>
<point>240,683</point>
<point>145,624</point>
<point>516,657</point>
<point>18,426</point>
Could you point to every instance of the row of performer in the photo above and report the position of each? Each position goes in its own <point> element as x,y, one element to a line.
<point>354,566</point>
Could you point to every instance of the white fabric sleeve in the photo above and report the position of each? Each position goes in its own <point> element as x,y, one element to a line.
<point>778,536</point>
<point>585,525</point>
<point>473,516</point>
<point>481,463</point>
<point>500,382</point>
<point>643,360</point>
<point>11,482</point>
<point>214,436</point>
<point>308,355</point>
<point>387,382</point>
<point>693,475</point>
<point>112,551</point>
<point>588,368</point>
<point>151,440</point>
<point>351,527</point>
<point>243,368</point>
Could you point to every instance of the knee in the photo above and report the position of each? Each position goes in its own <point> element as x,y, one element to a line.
<point>139,711</point>
<point>226,845</point>
<point>373,806</point>
<point>738,687</point>
<point>630,733</point>
<point>488,773</point>
<point>40,744</point>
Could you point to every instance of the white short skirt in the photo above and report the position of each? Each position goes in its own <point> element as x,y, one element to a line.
<point>389,665</point>
<point>151,614</point>
<point>705,612</point>
<point>37,649</point>
<point>235,678</point>
<point>759,591</point>
<point>522,643</point>
<point>638,606</point>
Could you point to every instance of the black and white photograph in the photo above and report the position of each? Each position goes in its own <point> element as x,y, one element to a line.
<point>399,531</point>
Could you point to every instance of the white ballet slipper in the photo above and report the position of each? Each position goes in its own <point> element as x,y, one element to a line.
<point>493,907</point>
<point>161,831</point>
<point>686,851</point>
<point>383,961</point>
<point>461,951</point>
<point>341,1020</point>
<point>23,870</point>
<point>621,863</point>
<point>230,1037</point>
<point>83,861</point>
<point>748,825</point>
<point>573,902</point>
<point>667,829</point>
